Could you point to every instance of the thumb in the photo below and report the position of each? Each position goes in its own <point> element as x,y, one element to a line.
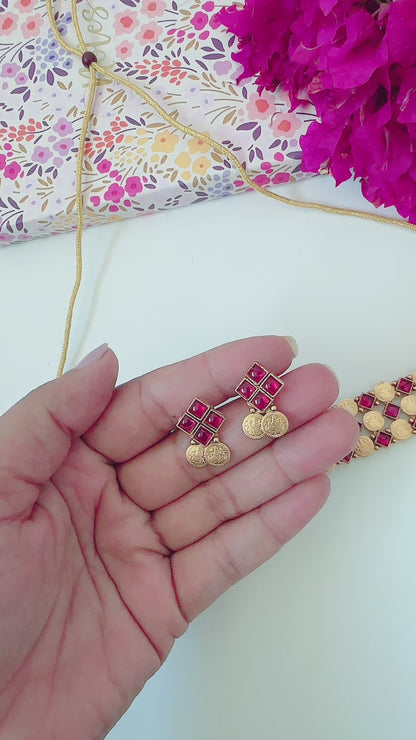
<point>36,433</point>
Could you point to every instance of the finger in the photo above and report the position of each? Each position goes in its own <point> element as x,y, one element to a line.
<point>301,455</point>
<point>146,409</point>
<point>35,435</point>
<point>308,391</point>
<point>204,570</point>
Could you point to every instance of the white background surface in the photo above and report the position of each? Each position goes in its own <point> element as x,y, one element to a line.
<point>319,643</point>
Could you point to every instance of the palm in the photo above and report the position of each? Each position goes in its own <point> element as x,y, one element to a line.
<point>123,544</point>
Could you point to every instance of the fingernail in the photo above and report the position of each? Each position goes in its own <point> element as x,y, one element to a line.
<point>92,356</point>
<point>293,345</point>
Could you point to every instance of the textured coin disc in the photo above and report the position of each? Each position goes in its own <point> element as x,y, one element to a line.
<point>195,455</point>
<point>365,447</point>
<point>373,421</point>
<point>349,405</point>
<point>408,404</point>
<point>414,376</point>
<point>252,426</point>
<point>401,429</point>
<point>275,424</point>
<point>217,454</point>
<point>384,392</point>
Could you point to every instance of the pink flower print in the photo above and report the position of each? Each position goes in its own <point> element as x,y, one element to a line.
<point>2,161</point>
<point>261,107</point>
<point>124,50</point>
<point>63,127</point>
<point>10,69</point>
<point>125,22</point>
<point>12,170</point>
<point>199,20</point>
<point>5,238</point>
<point>41,154</point>
<point>104,166</point>
<point>222,67</point>
<point>133,186</point>
<point>149,33</point>
<point>21,78</point>
<point>153,8</point>
<point>262,180</point>
<point>63,146</point>
<point>114,193</point>
<point>32,26</point>
<point>25,6</point>
<point>95,200</point>
<point>8,23</point>
<point>280,177</point>
<point>286,124</point>
<point>208,6</point>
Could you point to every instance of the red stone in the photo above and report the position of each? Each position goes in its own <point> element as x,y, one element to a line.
<point>391,410</point>
<point>261,401</point>
<point>348,457</point>
<point>88,58</point>
<point>366,400</point>
<point>203,436</point>
<point>404,385</point>
<point>272,385</point>
<point>257,373</point>
<point>187,424</point>
<point>198,409</point>
<point>246,390</point>
<point>383,439</point>
<point>214,420</point>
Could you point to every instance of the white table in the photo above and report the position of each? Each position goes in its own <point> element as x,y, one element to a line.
<point>319,643</point>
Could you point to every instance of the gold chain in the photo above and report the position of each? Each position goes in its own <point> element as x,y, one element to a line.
<point>187,130</point>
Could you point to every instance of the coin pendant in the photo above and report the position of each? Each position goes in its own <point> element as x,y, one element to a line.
<point>365,447</point>
<point>373,421</point>
<point>275,424</point>
<point>414,376</point>
<point>349,405</point>
<point>195,456</point>
<point>252,426</point>
<point>401,429</point>
<point>408,404</point>
<point>384,392</point>
<point>217,454</point>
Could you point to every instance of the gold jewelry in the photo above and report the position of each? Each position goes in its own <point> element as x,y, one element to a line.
<point>259,388</point>
<point>202,423</point>
<point>379,407</point>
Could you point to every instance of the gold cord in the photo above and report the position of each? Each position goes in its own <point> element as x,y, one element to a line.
<point>187,130</point>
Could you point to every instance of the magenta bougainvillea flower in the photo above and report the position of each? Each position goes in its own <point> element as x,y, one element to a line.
<point>355,61</point>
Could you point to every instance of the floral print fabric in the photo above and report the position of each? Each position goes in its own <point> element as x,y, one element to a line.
<point>134,161</point>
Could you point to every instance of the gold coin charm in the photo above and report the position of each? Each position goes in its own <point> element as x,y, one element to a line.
<point>364,447</point>
<point>349,405</point>
<point>401,429</point>
<point>217,454</point>
<point>275,424</point>
<point>373,421</point>
<point>408,404</point>
<point>252,426</point>
<point>195,455</point>
<point>384,392</point>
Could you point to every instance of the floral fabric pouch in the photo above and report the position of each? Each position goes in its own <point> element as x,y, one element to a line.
<point>134,161</point>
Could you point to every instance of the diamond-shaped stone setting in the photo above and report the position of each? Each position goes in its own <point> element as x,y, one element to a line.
<point>391,410</point>
<point>201,422</point>
<point>404,385</point>
<point>383,439</point>
<point>366,401</point>
<point>259,387</point>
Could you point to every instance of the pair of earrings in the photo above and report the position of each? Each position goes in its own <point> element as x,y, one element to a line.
<point>202,421</point>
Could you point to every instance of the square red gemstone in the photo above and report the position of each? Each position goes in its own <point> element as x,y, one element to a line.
<point>272,385</point>
<point>203,436</point>
<point>261,401</point>
<point>214,420</point>
<point>366,401</point>
<point>257,373</point>
<point>187,424</point>
<point>246,390</point>
<point>198,409</point>
<point>391,410</point>
<point>383,439</point>
<point>404,385</point>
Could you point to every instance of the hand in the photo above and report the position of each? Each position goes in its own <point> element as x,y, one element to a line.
<point>110,543</point>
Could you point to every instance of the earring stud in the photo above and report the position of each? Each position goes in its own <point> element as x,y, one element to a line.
<point>259,388</point>
<point>202,423</point>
